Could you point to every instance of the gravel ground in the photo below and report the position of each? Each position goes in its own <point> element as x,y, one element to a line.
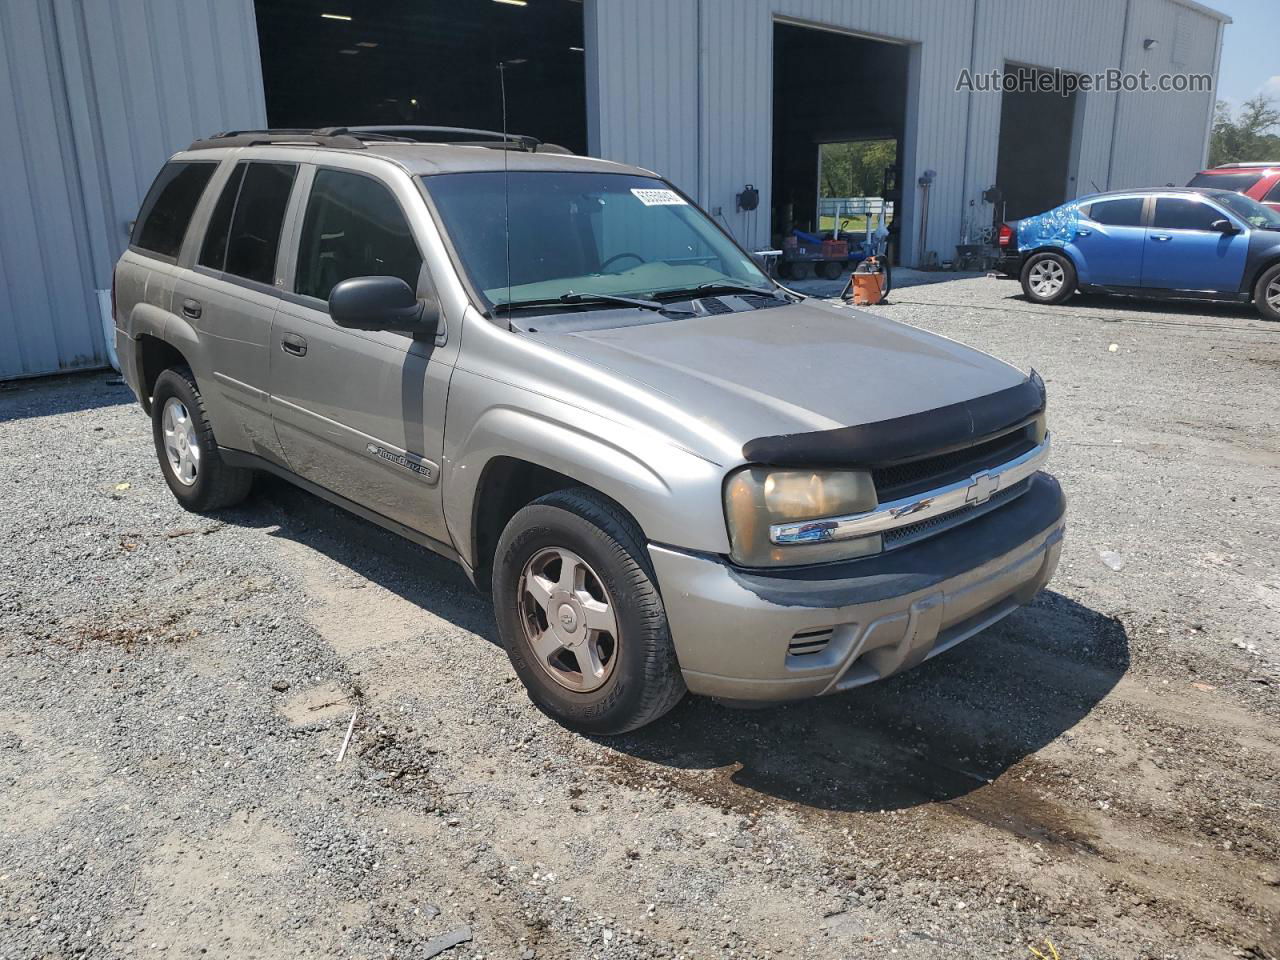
<point>1101,770</point>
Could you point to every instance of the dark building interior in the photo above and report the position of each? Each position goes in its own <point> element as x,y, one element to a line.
<point>1034,156</point>
<point>433,62</point>
<point>829,87</point>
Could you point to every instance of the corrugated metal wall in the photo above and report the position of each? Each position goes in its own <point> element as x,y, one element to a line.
<point>93,98</point>
<point>659,105</point>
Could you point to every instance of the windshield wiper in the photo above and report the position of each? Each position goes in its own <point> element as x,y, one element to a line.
<point>572,299</point>
<point>717,287</point>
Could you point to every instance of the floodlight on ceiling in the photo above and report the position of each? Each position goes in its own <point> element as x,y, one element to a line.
<point>335,16</point>
<point>367,44</point>
<point>513,3</point>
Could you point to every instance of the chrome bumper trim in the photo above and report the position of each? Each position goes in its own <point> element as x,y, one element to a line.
<point>976,490</point>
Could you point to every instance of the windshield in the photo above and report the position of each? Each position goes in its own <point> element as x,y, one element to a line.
<point>1225,181</point>
<point>1249,210</point>
<point>584,233</point>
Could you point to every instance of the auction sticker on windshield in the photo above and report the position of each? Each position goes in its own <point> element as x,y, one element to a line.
<point>658,197</point>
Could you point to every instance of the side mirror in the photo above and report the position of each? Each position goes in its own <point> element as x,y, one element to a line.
<point>1223,226</point>
<point>382,303</point>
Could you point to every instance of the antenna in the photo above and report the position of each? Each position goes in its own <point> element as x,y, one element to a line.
<point>506,173</point>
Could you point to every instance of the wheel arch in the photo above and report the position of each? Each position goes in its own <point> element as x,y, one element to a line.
<point>155,355</point>
<point>511,457</point>
<point>1267,262</point>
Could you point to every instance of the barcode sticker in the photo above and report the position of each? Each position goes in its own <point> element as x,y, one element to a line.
<point>659,197</point>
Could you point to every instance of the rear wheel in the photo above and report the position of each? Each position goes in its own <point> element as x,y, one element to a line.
<point>1266,293</point>
<point>186,447</point>
<point>829,269</point>
<point>580,616</point>
<point>1048,278</point>
<point>798,270</point>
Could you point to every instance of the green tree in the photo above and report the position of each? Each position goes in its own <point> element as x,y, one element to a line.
<point>1246,136</point>
<point>855,168</point>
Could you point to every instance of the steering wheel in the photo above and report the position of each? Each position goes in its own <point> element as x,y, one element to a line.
<point>619,256</point>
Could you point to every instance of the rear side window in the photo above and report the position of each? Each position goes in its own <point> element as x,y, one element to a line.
<point>1239,182</point>
<point>1273,195</point>
<point>1179,213</point>
<point>167,210</point>
<point>353,228</point>
<point>244,232</point>
<point>1125,212</point>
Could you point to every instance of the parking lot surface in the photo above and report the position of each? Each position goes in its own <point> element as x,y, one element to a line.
<point>1101,770</point>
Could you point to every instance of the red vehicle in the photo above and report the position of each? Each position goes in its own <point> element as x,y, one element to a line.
<point>1260,181</point>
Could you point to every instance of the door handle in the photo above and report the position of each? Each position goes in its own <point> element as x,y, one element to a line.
<point>1083,231</point>
<point>191,308</point>
<point>294,344</point>
<point>1162,237</point>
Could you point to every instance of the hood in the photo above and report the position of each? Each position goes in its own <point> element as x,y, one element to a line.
<point>791,369</point>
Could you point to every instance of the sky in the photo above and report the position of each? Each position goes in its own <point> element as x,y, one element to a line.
<point>1250,50</point>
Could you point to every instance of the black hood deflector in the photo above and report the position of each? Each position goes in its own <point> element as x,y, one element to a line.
<point>903,438</point>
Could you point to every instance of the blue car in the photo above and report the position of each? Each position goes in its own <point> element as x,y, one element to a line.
<point>1160,243</point>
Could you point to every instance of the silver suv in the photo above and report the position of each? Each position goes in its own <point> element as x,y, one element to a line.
<point>670,472</point>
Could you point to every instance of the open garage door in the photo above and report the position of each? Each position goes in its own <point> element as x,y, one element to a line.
<point>839,114</point>
<point>348,62</point>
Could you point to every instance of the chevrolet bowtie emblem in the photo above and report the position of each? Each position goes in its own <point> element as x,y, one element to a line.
<point>981,487</point>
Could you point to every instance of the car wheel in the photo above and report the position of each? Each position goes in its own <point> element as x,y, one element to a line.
<point>579,613</point>
<point>186,447</point>
<point>1048,278</point>
<point>1266,293</point>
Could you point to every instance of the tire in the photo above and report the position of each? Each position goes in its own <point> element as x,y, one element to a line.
<point>1048,278</point>
<point>639,678</point>
<point>212,484</point>
<point>1266,293</point>
<point>799,270</point>
<point>829,269</point>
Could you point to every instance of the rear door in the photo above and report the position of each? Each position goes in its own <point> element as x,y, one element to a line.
<point>229,296</point>
<point>360,413</point>
<point>1109,241</point>
<point>1185,253</point>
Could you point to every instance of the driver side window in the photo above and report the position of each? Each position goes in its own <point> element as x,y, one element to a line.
<point>353,228</point>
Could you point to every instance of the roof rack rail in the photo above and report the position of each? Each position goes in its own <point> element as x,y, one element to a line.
<point>355,138</point>
<point>322,137</point>
<point>465,136</point>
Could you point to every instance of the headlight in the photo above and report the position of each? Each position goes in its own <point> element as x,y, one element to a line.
<point>755,497</point>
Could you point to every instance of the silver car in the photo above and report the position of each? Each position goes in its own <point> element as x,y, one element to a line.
<point>671,473</point>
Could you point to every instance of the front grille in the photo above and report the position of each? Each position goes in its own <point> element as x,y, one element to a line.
<point>928,473</point>
<point>901,536</point>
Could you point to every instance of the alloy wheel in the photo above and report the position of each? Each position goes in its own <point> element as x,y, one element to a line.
<point>181,445</point>
<point>1046,278</point>
<point>1273,294</point>
<point>569,620</point>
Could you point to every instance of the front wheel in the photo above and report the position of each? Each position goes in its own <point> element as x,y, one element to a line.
<point>1048,278</point>
<point>580,616</point>
<point>1266,293</point>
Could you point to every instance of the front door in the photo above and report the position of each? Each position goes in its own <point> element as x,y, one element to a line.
<point>1109,240</point>
<point>1185,253</point>
<point>359,413</point>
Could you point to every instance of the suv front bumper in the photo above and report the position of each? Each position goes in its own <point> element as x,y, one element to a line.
<point>734,629</point>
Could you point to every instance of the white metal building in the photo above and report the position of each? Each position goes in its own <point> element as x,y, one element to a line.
<point>94,96</point>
